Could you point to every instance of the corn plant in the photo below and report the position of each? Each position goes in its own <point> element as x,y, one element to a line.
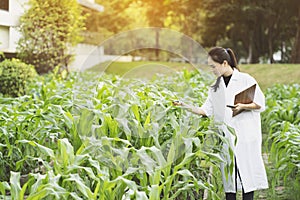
<point>281,123</point>
<point>105,137</point>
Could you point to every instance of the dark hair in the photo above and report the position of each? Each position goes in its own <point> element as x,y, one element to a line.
<point>219,55</point>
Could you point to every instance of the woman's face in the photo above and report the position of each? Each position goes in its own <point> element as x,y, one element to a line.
<point>217,68</point>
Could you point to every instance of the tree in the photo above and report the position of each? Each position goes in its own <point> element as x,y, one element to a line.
<point>185,17</point>
<point>258,28</point>
<point>114,18</point>
<point>49,29</point>
<point>236,22</point>
<point>295,57</point>
<point>118,16</point>
<point>279,21</point>
<point>156,13</point>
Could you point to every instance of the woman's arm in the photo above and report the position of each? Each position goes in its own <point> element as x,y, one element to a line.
<point>250,106</point>
<point>190,108</point>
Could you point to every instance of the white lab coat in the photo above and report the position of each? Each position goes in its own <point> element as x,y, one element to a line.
<point>247,126</point>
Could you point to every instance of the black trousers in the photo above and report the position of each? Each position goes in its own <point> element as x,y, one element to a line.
<point>232,196</point>
<point>246,196</point>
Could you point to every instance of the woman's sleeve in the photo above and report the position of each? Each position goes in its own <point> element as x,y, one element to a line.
<point>259,97</point>
<point>207,106</point>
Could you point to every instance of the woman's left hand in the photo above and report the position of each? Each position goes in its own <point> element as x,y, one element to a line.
<point>238,107</point>
<point>241,106</point>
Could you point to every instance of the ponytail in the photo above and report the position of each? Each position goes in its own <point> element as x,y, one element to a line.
<point>232,61</point>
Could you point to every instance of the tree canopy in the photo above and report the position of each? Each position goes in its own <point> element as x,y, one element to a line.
<point>256,29</point>
<point>49,28</point>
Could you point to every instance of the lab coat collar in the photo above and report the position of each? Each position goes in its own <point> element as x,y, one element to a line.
<point>235,77</point>
<point>235,74</point>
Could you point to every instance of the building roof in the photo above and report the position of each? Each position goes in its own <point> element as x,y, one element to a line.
<point>91,5</point>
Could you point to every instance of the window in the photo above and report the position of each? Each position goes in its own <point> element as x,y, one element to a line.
<point>4,4</point>
<point>4,37</point>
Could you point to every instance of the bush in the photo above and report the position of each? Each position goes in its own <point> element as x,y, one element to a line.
<point>14,76</point>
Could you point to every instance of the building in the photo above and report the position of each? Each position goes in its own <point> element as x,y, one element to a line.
<point>10,12</point>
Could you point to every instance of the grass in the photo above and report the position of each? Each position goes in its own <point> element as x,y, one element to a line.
<point>265,74</point>
<point>269,74</point>
<point>141,69</point>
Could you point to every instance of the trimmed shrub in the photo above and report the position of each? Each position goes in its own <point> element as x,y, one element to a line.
<point>14,77</point>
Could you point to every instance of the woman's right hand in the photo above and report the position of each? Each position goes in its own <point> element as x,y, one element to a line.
<point>196,110</point>
<point>177,103</point>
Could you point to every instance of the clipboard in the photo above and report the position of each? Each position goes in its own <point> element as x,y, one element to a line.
<point>246,96</point>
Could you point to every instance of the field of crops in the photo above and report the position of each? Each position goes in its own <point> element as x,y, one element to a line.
<point>281,122</point>
<point>103,137</point>
<point>107,138</point>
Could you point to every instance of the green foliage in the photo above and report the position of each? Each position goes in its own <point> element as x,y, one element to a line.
<point>235,24</point>
<point>2,56</point>
<point>255,29</point>
<point>15,76</point>
<point>108,138</point>
<point>281,123</point>
<point>49,30</point>
<point>104,137</point>
<point>116,20</point>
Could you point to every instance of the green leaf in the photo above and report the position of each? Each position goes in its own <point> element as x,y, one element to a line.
<point>154,192</point>
<point>3,187</point>
<point>141,195</point>
<point>66,152</point>
<point>23,190</point>
<point>171,154</point>
<point>147,121</point>
<point>43,149</point>
<point>15,185</point>
<point>135,110</point>
<point>84,126</point>
<point>68,119</point>
<point>80,185</point>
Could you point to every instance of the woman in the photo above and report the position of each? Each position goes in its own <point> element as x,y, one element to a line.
<point>250,174</point>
